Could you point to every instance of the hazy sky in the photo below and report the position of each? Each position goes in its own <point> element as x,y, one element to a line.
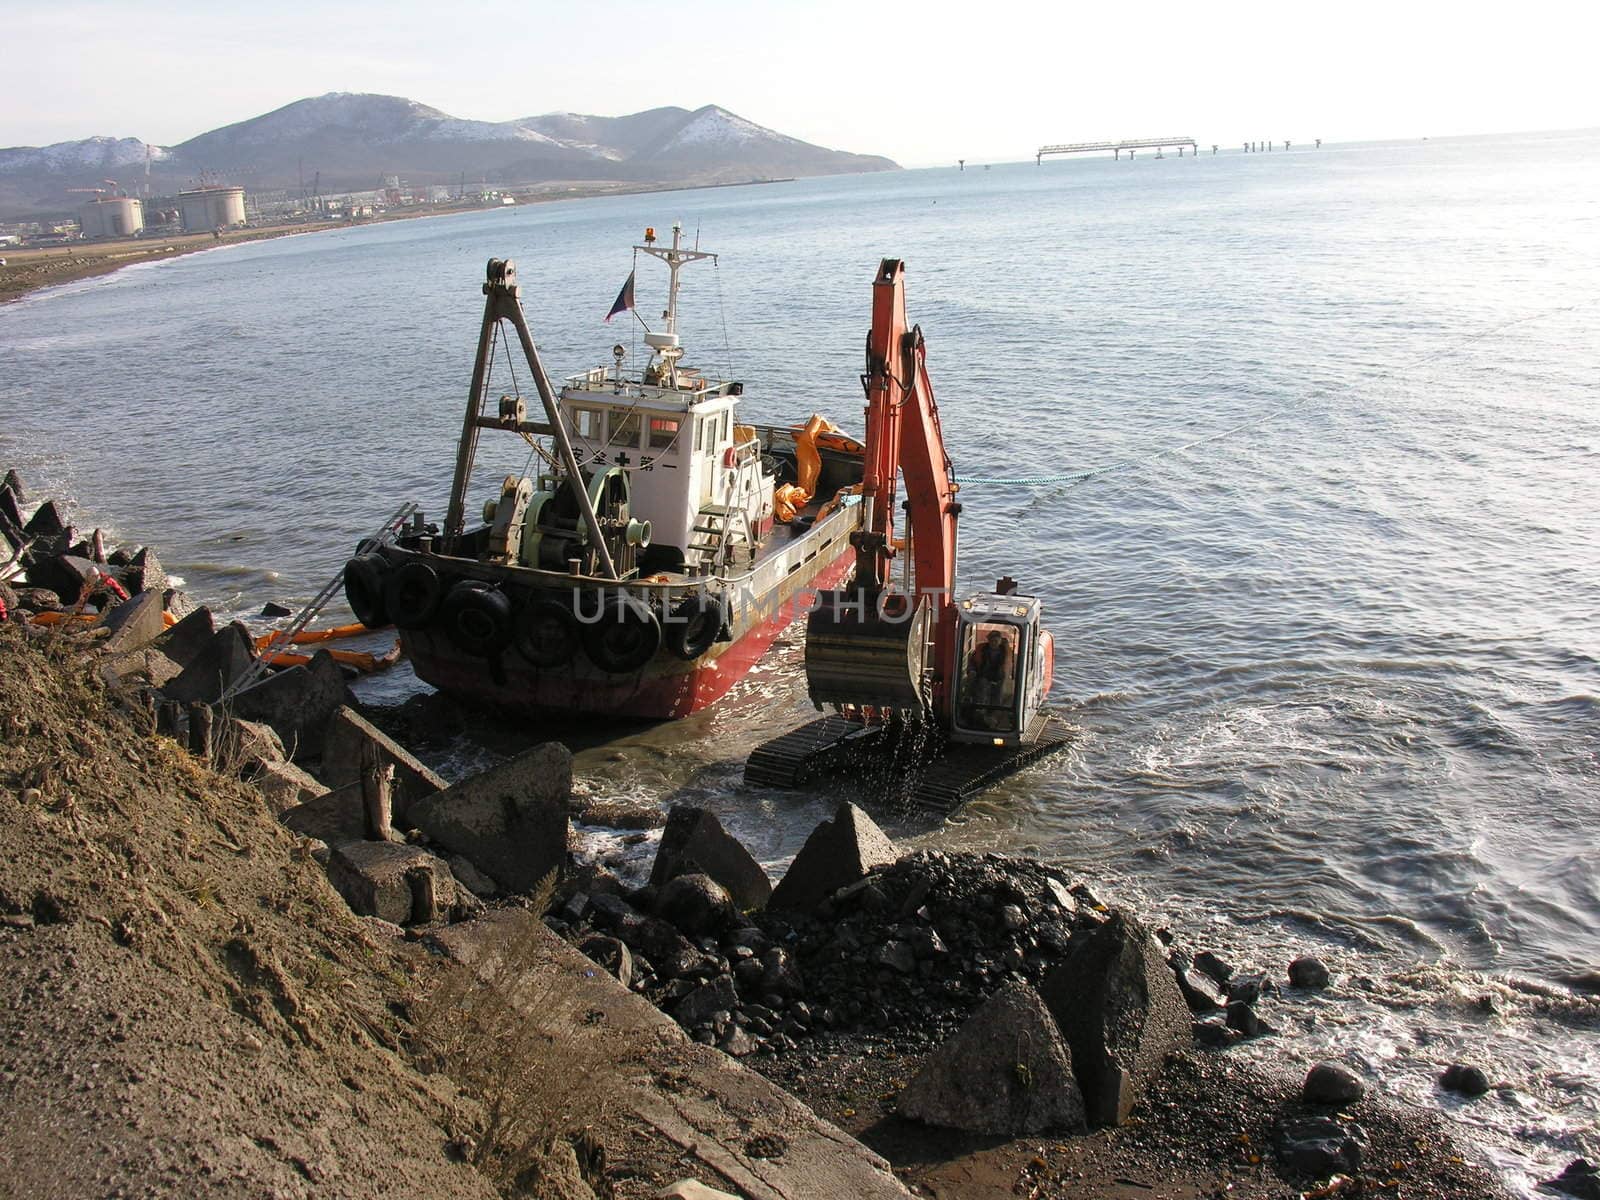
<point>921,82</point>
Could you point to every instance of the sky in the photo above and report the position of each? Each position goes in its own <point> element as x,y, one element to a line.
<point>924,83</point>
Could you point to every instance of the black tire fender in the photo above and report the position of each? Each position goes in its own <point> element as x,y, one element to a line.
<point>363,588</point>
<point>693,626</point>
<point>412,594</point>
<point>625,637</point>
<point>477,618</point>
<point>546,633</point>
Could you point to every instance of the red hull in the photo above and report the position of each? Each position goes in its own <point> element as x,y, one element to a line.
<point>666,688</point>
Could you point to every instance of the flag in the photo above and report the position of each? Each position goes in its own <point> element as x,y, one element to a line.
<point>624,299</point>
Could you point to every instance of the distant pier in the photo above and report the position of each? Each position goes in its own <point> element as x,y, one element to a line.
<point>1116,148</point>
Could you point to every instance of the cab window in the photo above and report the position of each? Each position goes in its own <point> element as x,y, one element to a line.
<point>989,677</point>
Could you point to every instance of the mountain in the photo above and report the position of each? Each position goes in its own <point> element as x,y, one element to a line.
<point>354,140</point>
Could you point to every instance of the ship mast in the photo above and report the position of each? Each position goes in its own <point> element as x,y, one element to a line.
<point>665,343</point>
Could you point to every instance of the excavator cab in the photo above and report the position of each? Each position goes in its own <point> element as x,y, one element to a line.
<point>1002,668</point>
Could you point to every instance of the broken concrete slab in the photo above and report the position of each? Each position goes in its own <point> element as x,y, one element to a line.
<point>510,821</point>
<point>333,817</point>
<point>839,852</point>
<point>694,842</point>
<point>347,733</point>
<point>220,663</point>
<point>1005,1071</point>
<point>396,882</point>
<point>67,575</point>
<point>297,702</point>
<point>1120,1012</point>
<point>246,745</point>
<point>286,786</point>
<point>474,880</point>
<point>183,642</point>
<point>134,624</point>
<point>145,574</point>
<point>150,665</point>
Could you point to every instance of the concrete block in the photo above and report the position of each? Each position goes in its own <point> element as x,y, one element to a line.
<point>510,821</point>
<point>221,661</point>
<point>334,817</point>
<point>298,703</point>
<point>286,786</point>
<point>694,842</point>
<point>134,624</point>
<point>184,641</point>
<point>394,882</point>
<point>347,732</point>
<point>839,852</point>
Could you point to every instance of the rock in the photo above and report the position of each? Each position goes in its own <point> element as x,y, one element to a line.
<point>145,574</point>
<point>273,609</point>
<point>622,812</point>
<point>1006,1071</point>
<point>474,880</point>
<point>1248,989</point>
<point>612,954</point>
<point>694,842</point>
<point>399,883</point>
<point>244,746</point>
<point>184,641</point>
<point>839,851</point>
<point>692,1189</point>
<point>334,817</point>
<point>178,603</point>
<point>37,599</point>
<point>1242,1017</point>
<point>556,1174</point>
<point>897,956</point>
<point>347,733</point>
<point>696,904</point>
<point>700,1005</point>
<point>1012,918</point>
<point>1331,1083</point>
<point>148,664</point>
<point>298,702</point>
<point>1210,965</point>
<point>1319,1146</point>
<point>1467,1080</point>
<point>510,820</point>
<point>736,1043</point>
<point>220,663</point>
<point>1213,1034</point>
<point>285,786</point>
<point>134,624</point>
<point>64,574</point>
<point>1198,991</point>
<point>1580,1179</point>
<point>780,973</point>
<point>1120,1012</point>
<point>46,522</point>
<point>1308,972</point>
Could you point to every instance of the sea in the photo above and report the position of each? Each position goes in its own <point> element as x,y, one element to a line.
<point>1300,449</point>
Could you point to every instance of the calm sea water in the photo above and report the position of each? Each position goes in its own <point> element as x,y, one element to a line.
<point>1327,614</point>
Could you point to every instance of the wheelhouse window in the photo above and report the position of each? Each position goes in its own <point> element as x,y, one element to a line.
<point>589,424</point>
<point>625,430</point>
<point>663,432</point>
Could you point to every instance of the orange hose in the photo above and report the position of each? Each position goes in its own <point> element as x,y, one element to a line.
<point>310,637</point>
<point>56,618</point>
<point>361,660</point>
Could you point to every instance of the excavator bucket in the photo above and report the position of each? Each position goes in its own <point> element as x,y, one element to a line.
<point>867,654</point>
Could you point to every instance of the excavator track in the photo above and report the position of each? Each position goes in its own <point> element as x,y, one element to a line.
<point>940,775</point>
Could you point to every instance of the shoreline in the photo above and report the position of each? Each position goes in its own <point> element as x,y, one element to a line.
<point>30,270</point>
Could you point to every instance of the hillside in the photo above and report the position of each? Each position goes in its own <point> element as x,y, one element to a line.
<point>352,141</point>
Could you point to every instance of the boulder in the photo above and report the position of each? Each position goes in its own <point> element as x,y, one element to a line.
<point>839,852</point>
<point>1212,966</point>
<point>395,882</point>
<point>183,642</point>
<point>1331,1083</point>
<point>780,973</point>
<point>145,574</point>
<point>694,842</point>
<point>216,668</point>
<point>612,954</point>
<point>692,1189</point>
<point>700,1005</point>
<point>286,786</point>
<point>1319,1146</point>
<point>510,820</point>
<point>1120,1012</point>
<point>244,746</point>
<point>1198,990</point>
<point>1242,1018</point>
<point>1580,1179</point>
<point>1308,972</point>
<point>134,624</point>
<point>1467,1080</point>
<point>696,904</point>
<point>348,732</point>
<point>1006,1071</point>
<point>334,817</point>
<point>299,703</point>
<point>64,574</point>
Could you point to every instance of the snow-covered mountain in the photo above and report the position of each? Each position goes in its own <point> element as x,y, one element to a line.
<point>349,140</point>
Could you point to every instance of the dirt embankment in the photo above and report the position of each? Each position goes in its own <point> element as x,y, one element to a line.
<point>186,1005</point>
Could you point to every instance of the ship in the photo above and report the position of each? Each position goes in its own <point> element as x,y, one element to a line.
<point>649,554</point>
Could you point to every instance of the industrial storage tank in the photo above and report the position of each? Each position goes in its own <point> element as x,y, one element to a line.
<point>111,216</point>
<point>209,208</point>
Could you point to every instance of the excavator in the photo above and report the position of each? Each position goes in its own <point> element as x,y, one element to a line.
<point>949,691</point>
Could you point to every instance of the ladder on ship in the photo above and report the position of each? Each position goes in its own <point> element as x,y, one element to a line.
<point>722,534</point>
